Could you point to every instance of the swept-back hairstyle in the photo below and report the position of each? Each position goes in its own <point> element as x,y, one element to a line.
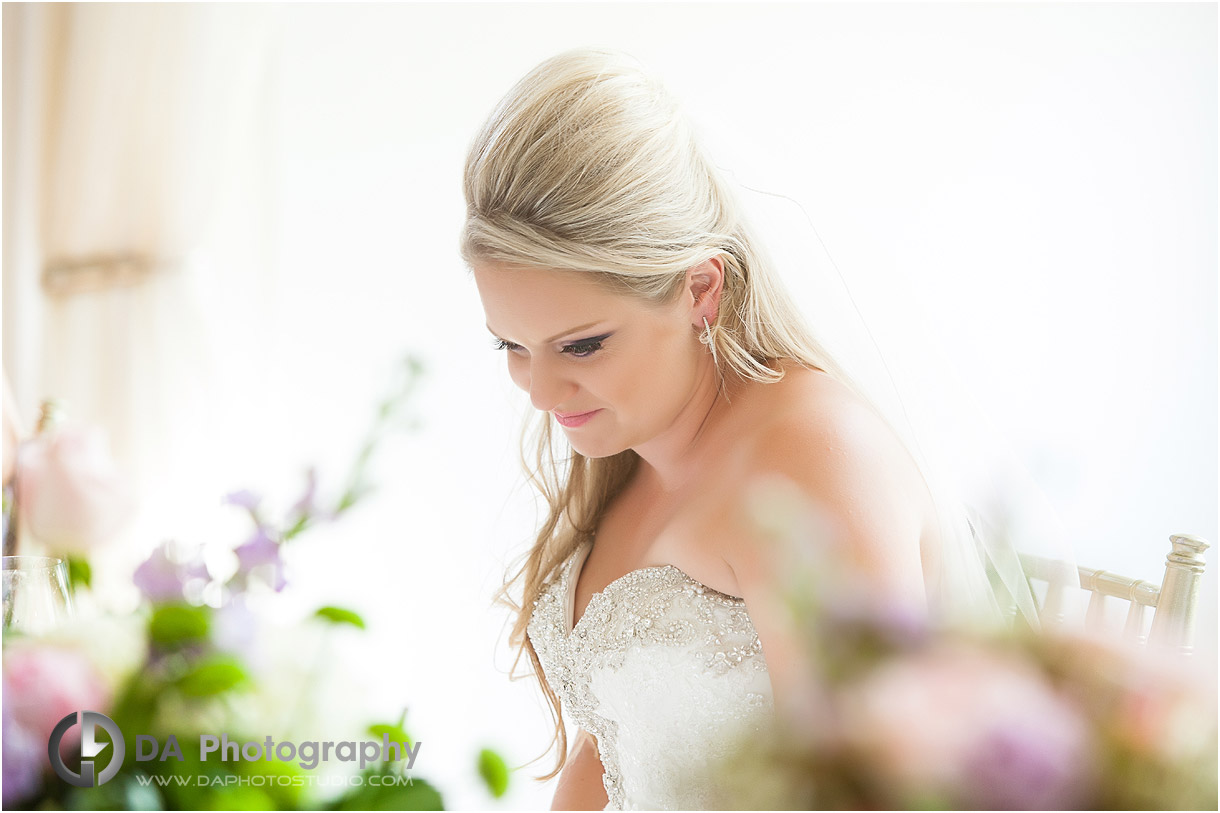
<point>588,165</point>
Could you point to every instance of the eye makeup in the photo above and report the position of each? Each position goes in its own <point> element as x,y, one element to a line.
<point>585,347</point>
<point>580,349</point>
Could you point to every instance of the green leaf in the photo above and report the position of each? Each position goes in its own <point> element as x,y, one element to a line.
<point>338,615</point>
<point>494,772</point>
<point>300,525</point>
<point>138,797</point>
<point>213,676</point>
<point>239,798</point>
<point>397,732</point>
<point>408,794</point>
<point>349,498</point>
<point>79,572</point>
<point>123,793</point>
<point>173,624</point>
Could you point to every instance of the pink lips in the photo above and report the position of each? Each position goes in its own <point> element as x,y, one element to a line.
<point>574,419</point>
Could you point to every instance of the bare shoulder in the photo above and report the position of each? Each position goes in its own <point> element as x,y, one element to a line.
<point>813,441</point>
<point>817,433</point>
<point>811,424</point>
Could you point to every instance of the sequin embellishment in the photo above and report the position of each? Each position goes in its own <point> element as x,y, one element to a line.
<point>655,615</point>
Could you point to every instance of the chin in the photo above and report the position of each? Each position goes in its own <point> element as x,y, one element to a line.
<point>594,450</point>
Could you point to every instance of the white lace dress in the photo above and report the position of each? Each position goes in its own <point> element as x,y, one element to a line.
<point>665,672</point>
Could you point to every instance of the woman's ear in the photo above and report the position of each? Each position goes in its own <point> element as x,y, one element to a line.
<point>705,283</point>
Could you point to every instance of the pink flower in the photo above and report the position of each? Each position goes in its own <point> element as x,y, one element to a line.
<point>70,494</point>
<point>1157,706</point>
<point>42,684</point>
<point>245,498</point>
<point>963,726</point>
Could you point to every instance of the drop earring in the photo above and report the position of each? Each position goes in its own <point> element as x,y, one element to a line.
<point>706,338</point>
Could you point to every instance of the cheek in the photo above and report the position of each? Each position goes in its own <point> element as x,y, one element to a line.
<point>631,385</point>
<point>625,384</point>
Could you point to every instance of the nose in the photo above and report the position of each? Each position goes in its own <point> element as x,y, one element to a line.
<point>548,386</point>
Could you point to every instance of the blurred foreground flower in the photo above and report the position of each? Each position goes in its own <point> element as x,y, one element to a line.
<point>164,577</point>
<point>71,496</point>
<point>211,652</point>
<point>42,683</point>
<point>970,727</point>
<point>899,714</point>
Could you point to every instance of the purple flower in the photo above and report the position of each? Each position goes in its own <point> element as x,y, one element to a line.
<point>900,624</point>
<point>976,727</point>
<point>1020,767</point>
<point>235,628</point>
<point>23,755</point>
<point>261,551</point>
<point>243,499</point>
<point>160,578</point>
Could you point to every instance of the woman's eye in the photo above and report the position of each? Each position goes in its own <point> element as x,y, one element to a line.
<point>578,349</point>
<point>584,349</point>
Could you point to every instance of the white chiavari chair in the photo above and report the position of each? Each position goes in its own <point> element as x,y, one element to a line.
<point>1173,602</point>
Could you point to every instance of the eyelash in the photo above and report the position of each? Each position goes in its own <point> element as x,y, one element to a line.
<point>581,350</point>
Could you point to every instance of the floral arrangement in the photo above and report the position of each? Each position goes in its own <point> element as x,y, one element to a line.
<point>202,656</point>
<point>901,715</point>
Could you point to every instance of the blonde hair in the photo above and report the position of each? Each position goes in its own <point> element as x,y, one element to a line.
<point>587,164</point>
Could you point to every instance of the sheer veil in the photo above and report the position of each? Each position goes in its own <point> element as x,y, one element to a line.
<point>989,507</point>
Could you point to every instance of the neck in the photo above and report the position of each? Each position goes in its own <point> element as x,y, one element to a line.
<point>672,458</point>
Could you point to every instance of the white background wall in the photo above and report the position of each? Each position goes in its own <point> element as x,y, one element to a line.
<point>1026,193</point>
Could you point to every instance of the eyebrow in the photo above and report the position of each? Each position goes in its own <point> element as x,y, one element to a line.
<point>557,336</point>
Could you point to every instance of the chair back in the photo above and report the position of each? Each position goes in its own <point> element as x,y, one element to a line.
<point>1172,603</point>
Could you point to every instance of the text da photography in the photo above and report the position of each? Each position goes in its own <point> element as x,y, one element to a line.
<point>99,732</point>
<point>306,754</point>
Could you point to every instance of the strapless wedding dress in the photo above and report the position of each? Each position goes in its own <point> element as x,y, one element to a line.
<point>668,675</point>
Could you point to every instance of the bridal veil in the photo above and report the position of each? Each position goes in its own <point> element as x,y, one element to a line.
<point>989,507</point>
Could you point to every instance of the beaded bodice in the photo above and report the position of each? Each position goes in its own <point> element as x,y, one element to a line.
<point>665,672</point>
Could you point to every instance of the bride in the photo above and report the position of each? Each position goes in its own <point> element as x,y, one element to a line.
<point>637,310</point>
